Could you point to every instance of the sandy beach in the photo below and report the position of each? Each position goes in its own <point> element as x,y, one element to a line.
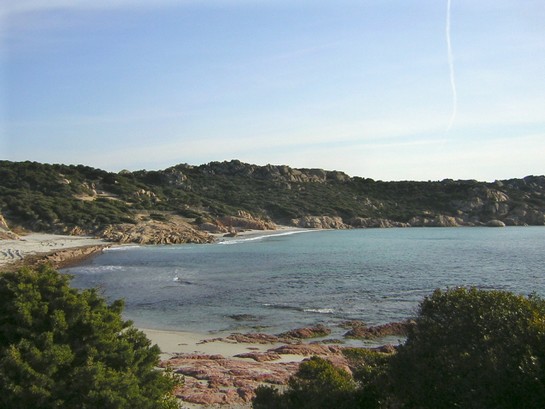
<point>36,245</point>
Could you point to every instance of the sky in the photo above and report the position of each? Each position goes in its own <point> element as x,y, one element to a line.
<point>384,89</point>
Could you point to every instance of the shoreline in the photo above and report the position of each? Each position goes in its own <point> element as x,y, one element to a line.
<point>39,248</point>
<point>63,251</point>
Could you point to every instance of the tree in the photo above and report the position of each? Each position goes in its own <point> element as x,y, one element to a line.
<point>64,348</point>
<point>473,349</point>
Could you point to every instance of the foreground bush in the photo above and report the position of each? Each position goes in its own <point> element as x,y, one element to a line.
<point>316,385</point>
<point>61,348</point>
<point>468,349</point>
<point>474,349</point>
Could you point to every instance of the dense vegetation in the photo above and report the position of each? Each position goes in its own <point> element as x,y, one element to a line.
<point>63,198</point>
<point>469,349</point>
<point>61,348</point>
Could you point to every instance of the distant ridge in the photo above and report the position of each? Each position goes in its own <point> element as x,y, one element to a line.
<point>220,197</point>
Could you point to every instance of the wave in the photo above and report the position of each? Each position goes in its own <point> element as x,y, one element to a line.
<point>283,307</point>
<point>301,309</point>
<point>263,236</point>
<point>181,281</point>
<point>118,248</point>
<point>320,310</point>
<point>101,269</point>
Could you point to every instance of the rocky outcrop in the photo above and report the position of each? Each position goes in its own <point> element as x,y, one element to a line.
<point>371,222</point>
<point>245,221</point>
<point>439,220</point>
<point>280,173</point>
<point>57,259</point>
<point>360,330</point>
<point>320,222</point>
<point>307,332</point>
<point>155,232</point>
<point>67,257</point>
<point>213,228</point>
<point>217,380</point>
<point>5,232</point>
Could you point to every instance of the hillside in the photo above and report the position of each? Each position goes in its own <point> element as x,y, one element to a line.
<point>181,203</point>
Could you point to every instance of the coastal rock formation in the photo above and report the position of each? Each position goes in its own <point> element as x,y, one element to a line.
<point>320,222</point>
<point>360,330</point>
<point>58,259</point>
<point>436,221</point>
<point>217,380</point>
<point>371,222</point>
<point>244,220</point>
<point>214,379</point>
<point>72,256</point>
<point>281,173</point>
<point>307,332</point>
<point>5,232</point>
<point>155,232</point>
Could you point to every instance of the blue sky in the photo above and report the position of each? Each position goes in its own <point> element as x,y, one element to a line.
<point>359,86</point>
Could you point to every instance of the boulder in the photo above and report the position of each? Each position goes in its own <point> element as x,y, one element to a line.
<point>495,223</point>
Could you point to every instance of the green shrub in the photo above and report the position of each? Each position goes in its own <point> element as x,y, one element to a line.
<point>473,349</point>
<point>61,348</point>
<point>318,384</point>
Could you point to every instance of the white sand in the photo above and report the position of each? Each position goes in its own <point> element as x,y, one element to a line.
<point>12,251</point>
<point>180,342</point>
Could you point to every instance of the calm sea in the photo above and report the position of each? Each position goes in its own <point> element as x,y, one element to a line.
<point>277,282</point>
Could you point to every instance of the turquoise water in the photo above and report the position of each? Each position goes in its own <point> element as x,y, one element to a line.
<point>285,281</point>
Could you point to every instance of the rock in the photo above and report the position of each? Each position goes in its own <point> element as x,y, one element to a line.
<point>64,258</point>
<point>213,380</point>
<point>320,222</point>
<point>212,228</point>
<point>254,338</point>
<point>535,217</point>
<point>371,222</point>
<point>439,220</point>
<point>243,317</point>
<point>260,356</point>
<point>495,223</point>
<point>155,232</point>
<point>5,232</point>
<point>360,330</point>
<point>307,349</point>
<point>308,332</point>
<point>244,220</point>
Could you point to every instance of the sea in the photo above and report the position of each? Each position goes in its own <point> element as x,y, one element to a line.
<point>276,281</point>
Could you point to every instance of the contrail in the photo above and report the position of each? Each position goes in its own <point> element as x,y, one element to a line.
<point>451,66</point>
